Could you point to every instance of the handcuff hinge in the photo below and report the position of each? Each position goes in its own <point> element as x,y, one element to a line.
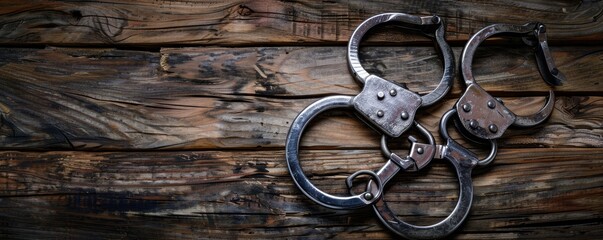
<point>440,151</point>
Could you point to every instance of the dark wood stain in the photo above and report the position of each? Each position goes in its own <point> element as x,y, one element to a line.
<point>513,195</point>
<point>304,22</point>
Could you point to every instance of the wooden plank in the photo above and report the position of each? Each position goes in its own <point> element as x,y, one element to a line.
<point>216,98</point>
<point>525,193</point>
<point>295,71</point>
<point>245,122</point>
<point>291,71</point>
<point>155,23</point>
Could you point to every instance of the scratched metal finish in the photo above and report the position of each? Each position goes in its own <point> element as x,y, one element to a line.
<point>387,106</point>
<point>482,115</point>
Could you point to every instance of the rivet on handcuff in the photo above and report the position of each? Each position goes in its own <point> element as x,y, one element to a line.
<point>391,108</point>
<point>387,106</point>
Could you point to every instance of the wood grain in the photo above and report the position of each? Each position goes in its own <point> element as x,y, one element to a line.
<point>99,99</point>
<point>249,194</point>
<point>237,123</point>
<point>294,71</point>
<point>161,23</point>
<point>181,136</point>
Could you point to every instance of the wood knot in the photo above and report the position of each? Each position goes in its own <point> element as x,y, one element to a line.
<point>76,14</point>
<point>244,10</point>
<point>109,25</point>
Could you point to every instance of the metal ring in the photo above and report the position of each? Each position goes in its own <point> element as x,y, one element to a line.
<point>353,60</point>
<point>295,169</point>
<point>444,133</point>
<point>538,117</point>
<point>482,35</point>
<point>442,228</point>
<point>546,67</point>
<point>414,22</point>
<point>350,179</point>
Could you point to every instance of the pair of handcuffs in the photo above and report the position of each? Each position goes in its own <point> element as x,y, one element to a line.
<point>390,109</point>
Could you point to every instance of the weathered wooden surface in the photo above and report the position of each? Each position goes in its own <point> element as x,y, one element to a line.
<point>147,22</point>
<point>247,97</point>
<point>153,141</point>
<point>224,194</point>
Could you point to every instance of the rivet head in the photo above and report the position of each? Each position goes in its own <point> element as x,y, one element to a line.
<point>404,115</point>
<point>493,128</point>
<point>466,107</point>
<point>473,124</point>
<point>393,92</point>
<point>435,19</point>
<point>380,95</point>
<point>368,196</point>
<point>380,113</point>
<point>491,104</point>
<point>420,150</point>
<point>500,101</point>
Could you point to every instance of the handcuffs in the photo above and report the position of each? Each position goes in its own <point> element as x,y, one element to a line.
<point>390,109</point>
<point>385,105</point>
<point>485,117</point>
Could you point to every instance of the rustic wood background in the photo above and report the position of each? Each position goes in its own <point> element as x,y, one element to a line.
<point>167,119</point>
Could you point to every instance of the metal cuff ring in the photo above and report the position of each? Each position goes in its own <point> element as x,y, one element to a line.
<point>292,157</point>
<point>463,161</point>
<point>484,116</point>
<point>427,23</point>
